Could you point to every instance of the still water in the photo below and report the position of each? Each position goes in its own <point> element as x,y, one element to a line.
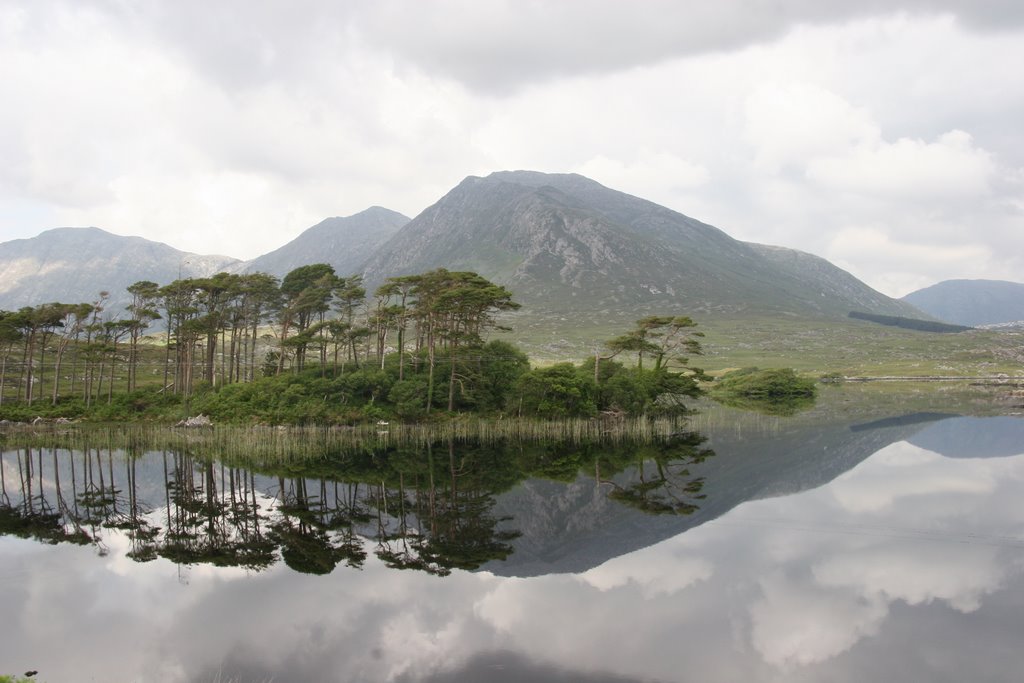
<point>838,545</point>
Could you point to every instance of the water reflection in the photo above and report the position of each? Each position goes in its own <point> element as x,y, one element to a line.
<point>429,509</point>
<point>819,552</point>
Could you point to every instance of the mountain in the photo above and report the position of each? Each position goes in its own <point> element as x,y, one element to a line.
<point>566,244</point>
<point>74,265</point>
<point>972,302</point>
<point>345,243</point>
<point>573,252</point>
<point>1001,436</point>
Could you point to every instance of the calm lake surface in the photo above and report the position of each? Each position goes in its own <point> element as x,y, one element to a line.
<point>862,539</point>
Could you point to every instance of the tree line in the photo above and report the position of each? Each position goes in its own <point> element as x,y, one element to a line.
<point>908,323</point>
<point>413,346</point>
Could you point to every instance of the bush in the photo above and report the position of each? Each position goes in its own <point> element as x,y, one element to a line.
<point>557,391</point>
<point>409,398</point>
<point>777,392</point>
<point>755,383</point>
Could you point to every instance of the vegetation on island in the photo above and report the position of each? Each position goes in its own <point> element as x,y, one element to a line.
<point>777,391</point>
<point>313,348</point>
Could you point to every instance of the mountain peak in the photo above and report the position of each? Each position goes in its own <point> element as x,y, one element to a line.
<point>568,247</point>
<point>74,264</point>
<point>972,302</point>
<point>538,178</point>
<point>564,242</point>
<point>345,242</point>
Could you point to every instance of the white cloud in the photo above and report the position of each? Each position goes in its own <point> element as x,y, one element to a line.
<point>796,624</point>
<point>658,176</point>
<point>950,168</point>
<point>929,573</point>
<point>906,266</point>
<point>494,45</point>
<point>801,124</point>
<point>638,569</point>
<point>895,475</point>
<point>789,124</point>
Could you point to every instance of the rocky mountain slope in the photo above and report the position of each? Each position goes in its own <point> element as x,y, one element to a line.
<point>571,250</point>
<point>345,243</point>
<point>74,265</point>
<point>564,243</point>
<point>972,302</point>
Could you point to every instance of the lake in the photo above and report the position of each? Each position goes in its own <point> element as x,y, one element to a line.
<point>875,536</point>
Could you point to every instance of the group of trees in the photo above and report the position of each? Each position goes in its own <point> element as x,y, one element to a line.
<point>35,337</point>
<point>212,329</point>
<point>415,345</point>
<point>603,384</point>
<point>492,377</point>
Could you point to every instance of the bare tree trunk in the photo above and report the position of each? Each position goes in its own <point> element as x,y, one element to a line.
<point>110,384</point>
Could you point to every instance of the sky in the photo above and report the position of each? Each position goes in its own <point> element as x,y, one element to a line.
<point>884,136</point>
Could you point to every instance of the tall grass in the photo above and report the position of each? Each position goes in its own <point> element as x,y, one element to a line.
<point>275,444</point>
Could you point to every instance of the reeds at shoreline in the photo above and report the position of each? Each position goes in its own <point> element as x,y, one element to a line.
<point>266,443</point>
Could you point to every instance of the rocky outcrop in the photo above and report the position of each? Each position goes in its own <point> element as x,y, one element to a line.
<point>197,421</point>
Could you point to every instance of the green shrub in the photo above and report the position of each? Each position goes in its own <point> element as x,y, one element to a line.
<point>558,391</point>
<point>756,383</point>
<point>408,398</point>
<point>777,392</point>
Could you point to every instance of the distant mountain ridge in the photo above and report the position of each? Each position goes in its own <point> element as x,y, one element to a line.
<point>344,243</point>
<point>564,244</point>
<point>74,265</point>
<point>972,302</point>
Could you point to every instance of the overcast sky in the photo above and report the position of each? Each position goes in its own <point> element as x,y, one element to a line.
<point>886,136</point>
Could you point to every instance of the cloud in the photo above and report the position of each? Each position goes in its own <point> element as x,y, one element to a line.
<point>650,577</point>
<point>896,473</point>
<point>496,46</point>
<point>927,574</point>
<point>797,624</point>
<point>658,176</point>
<point>949,168</point>
<point>789,124</point>
<point>909,265</point>
<point>798,123</point>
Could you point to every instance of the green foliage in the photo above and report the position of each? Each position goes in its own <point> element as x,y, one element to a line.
<point>561,390</point>
<point>409,398</point>
<point>628,392</point>
<point>359,367</point>
<point>636,391</point>
<point>778,391</point>
<point>499,365</point>
<point>756,383</point>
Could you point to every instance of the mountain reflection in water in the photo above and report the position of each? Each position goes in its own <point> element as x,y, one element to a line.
<point>795,549</point>
<point>428,508</point>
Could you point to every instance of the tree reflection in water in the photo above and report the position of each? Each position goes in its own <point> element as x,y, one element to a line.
<point>424,508</point>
